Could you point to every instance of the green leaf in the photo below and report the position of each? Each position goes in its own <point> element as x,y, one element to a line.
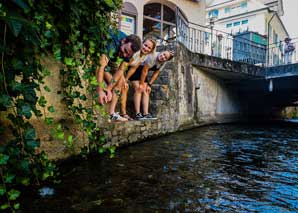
<point>48,34</point>
<point>46,72</point>
<point>47,89</point>
<point>42,101</point>
<point>2,190</point>
<point>110,3</point>
<point>70,138</point>
<point>51,109</point>
<point>48,25</point>
<point>68,61</point>
<point>5,100</point>
<point>13,194</point>
<point>57,52</point>
<point>112,149</point>
<point>93,81</point>
<point>49,120</point>
<point>102,138</point>
<point>22,5</point>
<point>101,150</point>
<point>3,159</point>
<point>26,111</point>
<point>4,206</point>
<point>16,206</point>
<point>32,144</point>
<point>60,135</point>
<point>15,27</point>
<point>59,127</point>
<point>45,175</point>
<point>9,178</point>
<point>25,181</point>
<point>29,94</point>
<point>83,97</point>
<point>30,134</point>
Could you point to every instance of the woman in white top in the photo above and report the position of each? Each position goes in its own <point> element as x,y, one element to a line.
<point>141,84</point>
<point>138,58</point>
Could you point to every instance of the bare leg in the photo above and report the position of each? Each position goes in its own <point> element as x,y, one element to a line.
<point>145,101</point>
<point>124,93</point>
<point>114,102</point>
<point>115,97</point>
<point>137,96</point>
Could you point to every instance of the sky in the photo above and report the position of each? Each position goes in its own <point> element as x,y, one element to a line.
<point>290,17</point>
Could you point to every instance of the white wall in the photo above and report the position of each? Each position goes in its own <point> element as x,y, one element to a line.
<point>195,12</point>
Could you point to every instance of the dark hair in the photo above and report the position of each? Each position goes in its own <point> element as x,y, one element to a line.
<point>135,42</point>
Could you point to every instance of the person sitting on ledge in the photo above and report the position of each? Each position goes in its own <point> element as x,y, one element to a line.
<point>115,60</point>
<point>148,47</point>
<point>141,84</point>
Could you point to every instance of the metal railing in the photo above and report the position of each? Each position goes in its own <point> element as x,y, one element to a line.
<point>200,39</point>
<point>204,40</point>
<point>279,53</point>
<point>208,41</point>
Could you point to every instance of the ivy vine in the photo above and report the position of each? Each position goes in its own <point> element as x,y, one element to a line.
<point>74,33</point>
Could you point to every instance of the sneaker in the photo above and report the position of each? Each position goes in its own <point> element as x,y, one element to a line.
<point>116,117</point>
<point>139,116</point>
<point>149,117</point>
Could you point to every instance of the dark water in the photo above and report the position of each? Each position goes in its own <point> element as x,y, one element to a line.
<point>224,168</point>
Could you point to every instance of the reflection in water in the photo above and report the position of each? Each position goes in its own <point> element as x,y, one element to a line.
<point>224,168</point>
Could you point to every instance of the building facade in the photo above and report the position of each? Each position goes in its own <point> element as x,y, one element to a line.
<point>158,18</point>
<point>260,17</point>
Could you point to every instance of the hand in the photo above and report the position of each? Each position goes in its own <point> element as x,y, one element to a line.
<point>125,85</point>
<point>142,88</point>
<point>148,89</point>
<point>109,95</point>
<point>102,97</point>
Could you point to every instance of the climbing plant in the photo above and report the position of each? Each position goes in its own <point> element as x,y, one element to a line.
<point>73,33</point>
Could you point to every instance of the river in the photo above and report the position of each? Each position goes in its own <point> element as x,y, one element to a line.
<point>220,168</point>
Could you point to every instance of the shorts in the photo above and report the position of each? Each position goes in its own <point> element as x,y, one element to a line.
<point>137,75</point>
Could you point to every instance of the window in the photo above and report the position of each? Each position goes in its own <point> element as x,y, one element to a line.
<point>269,31</point>
<point>213,13</point>
<point>128,18</point>
<point>227,10</point>
<point>237,23</point>
<point>243,5</point>
<point>229,25</point>
<point>245,21</point>
<point>159,21</point>
<point>275,37</point>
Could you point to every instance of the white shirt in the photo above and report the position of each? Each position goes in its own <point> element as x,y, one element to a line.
<point>137,58</point>
<point>152,61</point>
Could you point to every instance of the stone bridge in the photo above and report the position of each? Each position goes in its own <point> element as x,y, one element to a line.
<point>264,87</point>
<point>192,90</point>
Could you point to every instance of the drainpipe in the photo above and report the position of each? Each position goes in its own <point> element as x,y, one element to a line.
<point>275,13</point>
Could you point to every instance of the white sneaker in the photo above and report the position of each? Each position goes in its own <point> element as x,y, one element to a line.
<point>149,117</point>
<point>116,117</point>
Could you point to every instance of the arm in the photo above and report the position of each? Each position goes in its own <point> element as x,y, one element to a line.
<point>144,74</point>
<point>123,66</point>
<point>153,78</point>
<point>131,71</point>
<point>103,61</point>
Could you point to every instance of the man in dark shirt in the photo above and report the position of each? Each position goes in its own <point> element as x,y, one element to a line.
<point>115,59</point>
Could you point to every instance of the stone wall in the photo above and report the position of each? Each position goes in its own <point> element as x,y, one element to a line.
<point>184,96</point>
